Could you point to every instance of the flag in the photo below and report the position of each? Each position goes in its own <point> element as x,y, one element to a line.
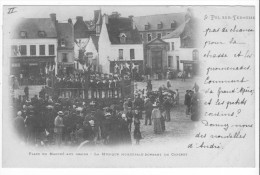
<point>127,65</point>
<point>18,51</point>
<point>46,69</point>
<point>121,67</point>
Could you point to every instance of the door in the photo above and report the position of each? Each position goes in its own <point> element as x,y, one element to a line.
<point>178,63</point>
<point>156,61</point>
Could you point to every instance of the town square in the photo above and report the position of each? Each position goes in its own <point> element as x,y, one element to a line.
<point>107,79</point>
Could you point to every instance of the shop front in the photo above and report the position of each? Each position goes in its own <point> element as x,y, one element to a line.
<point>190,67</point>
<point>31,70</point>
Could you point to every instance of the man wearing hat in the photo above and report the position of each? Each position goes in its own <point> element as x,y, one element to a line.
<point>19,125</point>
<point>92,88</point>
<point>100,87</point>
<point>167,106</point>
<point>148,106</point>
<point>106,88</point>
<point>58,127</point>
<point>129,116</point>
<point>187,102</point>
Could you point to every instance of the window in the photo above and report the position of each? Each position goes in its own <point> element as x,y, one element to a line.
<point>170,61</point>
<point>122,38</point>
<point>15,51</point>
<point>168,33</point>
<point>32,50</point>
<point>64,58</point>
<point>147,27</point>
<point>195,55</point>
<point>149,37</point>
<point>41,34</point>
<point>23,34</point>
<point>62,43</point>
<point>132,54</point>
<point>159,26</point>
<point>141,36</point>
<point>178,62</point>
<point>120,53</point>
<point>159,35</point>
<point>172,45</point>
<point>173,25</point>
<point>16,65</point>
<point>23,50</point>
<point>42,49</point>
<point>51,49</point>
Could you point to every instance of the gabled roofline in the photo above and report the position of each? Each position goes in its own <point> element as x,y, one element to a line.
<point>157,39</point>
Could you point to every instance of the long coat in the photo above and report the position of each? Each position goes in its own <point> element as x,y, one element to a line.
<point>156,116</point>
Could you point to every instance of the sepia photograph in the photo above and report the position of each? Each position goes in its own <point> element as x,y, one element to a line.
<point>152,86</point>
<point>106,80</point>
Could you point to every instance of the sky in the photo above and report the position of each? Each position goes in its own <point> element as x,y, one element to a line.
<point>63,13</point>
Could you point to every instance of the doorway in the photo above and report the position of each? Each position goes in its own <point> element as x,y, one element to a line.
<point>156,61</point>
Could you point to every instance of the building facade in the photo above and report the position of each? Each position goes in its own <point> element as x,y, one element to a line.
<point>33,46</point>
<point>183,55</point>
<point>168,41</point>
<point>120,46</point>
<point>65,49</point>
<point>157,26</point>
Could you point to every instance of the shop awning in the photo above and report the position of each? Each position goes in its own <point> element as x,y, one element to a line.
<point>35,59</point>
<point>189,61</point>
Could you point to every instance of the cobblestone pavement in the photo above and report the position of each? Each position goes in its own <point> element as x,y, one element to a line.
<point>180,125</point>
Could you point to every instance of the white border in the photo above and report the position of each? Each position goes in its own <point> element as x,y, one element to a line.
<point>201,171</point>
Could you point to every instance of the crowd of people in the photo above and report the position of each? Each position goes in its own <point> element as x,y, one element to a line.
<point>44,120</point>
<point>88,85</point>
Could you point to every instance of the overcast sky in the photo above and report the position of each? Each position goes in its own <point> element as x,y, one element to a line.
<point>65,12</point>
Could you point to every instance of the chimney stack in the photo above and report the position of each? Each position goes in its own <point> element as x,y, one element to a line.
<point>53,17</point>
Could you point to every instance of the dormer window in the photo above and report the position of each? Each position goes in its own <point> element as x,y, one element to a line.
<point>122,38</point>
<point>23,34</point>
<point>147,26</point>
<point>160,26</point>
<point>41,34</point>
<point>173,25</point>
<point>62,43</point>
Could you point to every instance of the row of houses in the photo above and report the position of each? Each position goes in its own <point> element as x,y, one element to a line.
<point>107,43</point>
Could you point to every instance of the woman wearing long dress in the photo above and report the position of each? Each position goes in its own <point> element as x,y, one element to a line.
<point>156,117</point>
<point>195,107</point>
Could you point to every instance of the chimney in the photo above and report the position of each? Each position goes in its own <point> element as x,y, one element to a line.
<point>131,19</point>
<point>79,18</point>
<point>53,17</point>
<point>69,21</point>
<point>96,15</point>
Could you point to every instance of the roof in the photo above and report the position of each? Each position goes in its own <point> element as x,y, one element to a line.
<point>32,26</point>
<point>95,41</point>
<point>65,31</point>
<point>157,41</point>
<point>80,29</point>
<point>117,26</point>
<point>154,20</point>
<point>177,32</point>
